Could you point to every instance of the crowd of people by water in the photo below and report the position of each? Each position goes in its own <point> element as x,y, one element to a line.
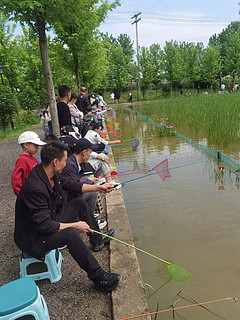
<point>57,193</point>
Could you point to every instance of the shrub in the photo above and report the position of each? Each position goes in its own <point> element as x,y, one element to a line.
<point>7,106</point>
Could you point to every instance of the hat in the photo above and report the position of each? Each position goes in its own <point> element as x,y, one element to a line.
<point>81,144</point>
<point>31,137</point>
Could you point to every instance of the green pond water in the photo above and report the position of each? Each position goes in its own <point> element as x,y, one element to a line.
<point>195,225</point>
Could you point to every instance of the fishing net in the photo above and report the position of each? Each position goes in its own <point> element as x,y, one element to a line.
<point>162,169</point>
<point>134,143</point>
<point>177,273</point>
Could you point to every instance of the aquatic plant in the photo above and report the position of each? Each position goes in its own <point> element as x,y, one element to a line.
<point>214,117</point>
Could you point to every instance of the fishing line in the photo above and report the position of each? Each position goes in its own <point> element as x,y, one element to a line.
<point>121,204</point>
<point>184,165</point>
<point>183,307</point>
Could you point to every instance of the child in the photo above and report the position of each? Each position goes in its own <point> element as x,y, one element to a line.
<point>93,135</point>
<point>29,141</point>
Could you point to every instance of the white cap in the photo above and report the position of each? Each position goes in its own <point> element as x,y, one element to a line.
<point>30,136</point>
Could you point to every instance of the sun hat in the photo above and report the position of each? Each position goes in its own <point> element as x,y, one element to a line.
<point>30,136</point>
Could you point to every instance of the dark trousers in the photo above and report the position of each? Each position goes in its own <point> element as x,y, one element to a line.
<point>74,211</point>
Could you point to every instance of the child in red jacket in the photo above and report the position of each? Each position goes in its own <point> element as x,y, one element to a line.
<point>30,142</point>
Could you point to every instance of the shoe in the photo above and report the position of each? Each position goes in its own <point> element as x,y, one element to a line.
<point>108,282</point>
<point>100,181</point>
<point>101,223</point>
<point>96,215</point>
<point>116,185</point>
<point>104,240</point>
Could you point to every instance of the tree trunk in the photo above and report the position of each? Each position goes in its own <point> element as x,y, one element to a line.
<point>77,71</point>
<point>171,91</point>
<point>41,24</point>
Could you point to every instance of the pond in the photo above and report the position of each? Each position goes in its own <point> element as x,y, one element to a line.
<point>195,225</point>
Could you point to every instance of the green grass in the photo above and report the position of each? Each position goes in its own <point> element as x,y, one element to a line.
<point>23,122</point>
<point>215,117</point>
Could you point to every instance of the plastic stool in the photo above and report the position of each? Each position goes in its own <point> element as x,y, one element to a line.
<point>53,261</point>
<point>20,298</point>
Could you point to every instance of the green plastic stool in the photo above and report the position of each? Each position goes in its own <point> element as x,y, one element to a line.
<point>21,298</point>
<point>53,261</point>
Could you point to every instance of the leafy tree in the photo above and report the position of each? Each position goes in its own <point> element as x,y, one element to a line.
<point>223,40</point>
<point>146,68</point>
<point>211,64</point>
<point>191,56</point>
<point>8,56</point>
<point>173,64</point>
<point>157,59</point>
<point>78,30</point>
<point>8,106</point>
<point>40,15</point>
<point>117,68</point>
<point>232,57</point>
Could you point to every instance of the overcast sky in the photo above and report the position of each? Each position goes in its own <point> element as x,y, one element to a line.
<point>165,20</point>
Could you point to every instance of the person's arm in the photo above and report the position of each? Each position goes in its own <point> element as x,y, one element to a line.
<point>17,178</point>
<point>81,226</point>
<point>101,112</point>
<point>114,142</point>
<point>103,157</point>
<point>104,188</point>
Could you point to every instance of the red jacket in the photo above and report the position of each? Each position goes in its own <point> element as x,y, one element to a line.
<point>23,167</point>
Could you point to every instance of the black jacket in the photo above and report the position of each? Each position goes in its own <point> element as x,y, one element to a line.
<point>37,209</point>
<point>82,103</point>
<point>64,116</point>
<point>71,171</point>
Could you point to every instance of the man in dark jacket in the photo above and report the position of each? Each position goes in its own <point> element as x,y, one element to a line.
<point>79,169</point>
<point>82,100</point>
<point>43,223</point>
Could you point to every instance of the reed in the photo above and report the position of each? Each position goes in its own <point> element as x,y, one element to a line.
<point>214,117</point>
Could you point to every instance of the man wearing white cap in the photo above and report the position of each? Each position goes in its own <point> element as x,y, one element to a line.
<point>29,142</point>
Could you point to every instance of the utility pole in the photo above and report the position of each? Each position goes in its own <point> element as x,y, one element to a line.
<point>136,22</point>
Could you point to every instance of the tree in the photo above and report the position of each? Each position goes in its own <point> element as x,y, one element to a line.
<point>232,57</point>
<point>191,56</point>
<point>173,63</point>
<point>146,68</point>
<point>78,31</point>
<point>157,59</point>
<point>222,40</point>
<point>40,15</point>
<point>117,69</point>
<point>211,64</point>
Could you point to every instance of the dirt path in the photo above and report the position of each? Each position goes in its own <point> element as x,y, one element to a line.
<point>73,297</point>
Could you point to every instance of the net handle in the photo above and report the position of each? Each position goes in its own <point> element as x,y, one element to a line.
<point>131,246</point>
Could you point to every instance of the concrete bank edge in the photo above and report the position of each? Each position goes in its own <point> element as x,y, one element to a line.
<point>129,298</point>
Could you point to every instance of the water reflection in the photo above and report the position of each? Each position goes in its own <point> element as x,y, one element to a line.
<point>196,226</point>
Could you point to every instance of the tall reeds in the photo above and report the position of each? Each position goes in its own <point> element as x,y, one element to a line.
<point>214,117</point>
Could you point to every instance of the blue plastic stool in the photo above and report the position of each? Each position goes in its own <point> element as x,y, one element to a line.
<point>20,298</point>
<point>53,261</point>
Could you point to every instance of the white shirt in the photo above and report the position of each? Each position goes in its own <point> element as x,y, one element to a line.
<point>94,137</point>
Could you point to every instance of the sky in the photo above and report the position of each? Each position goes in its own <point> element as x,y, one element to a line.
<point>166,20</point>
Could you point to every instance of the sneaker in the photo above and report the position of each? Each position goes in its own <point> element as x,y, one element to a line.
<point>116,185</point>
<point>100,181</point>
<point>108,282</point>
<point>96,215</point>
<point>101,223</point>
<point>104,240</point>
